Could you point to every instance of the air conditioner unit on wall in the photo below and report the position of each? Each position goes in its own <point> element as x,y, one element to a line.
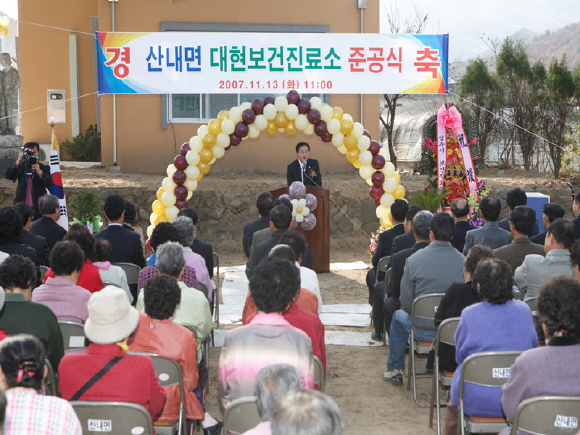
<point>45,152</point>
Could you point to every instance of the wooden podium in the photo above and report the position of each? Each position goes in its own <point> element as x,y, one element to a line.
<point>319,237</point>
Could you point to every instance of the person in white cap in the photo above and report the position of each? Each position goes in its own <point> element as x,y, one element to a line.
<point>105,372</point>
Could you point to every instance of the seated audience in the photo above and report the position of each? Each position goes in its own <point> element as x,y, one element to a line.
<point>536,269</point>
<point>10,230</point>
<point>161,297</point>
<point>197,246</point>
<point>271,385</point>
<point>457,297</point>
<point>130,220</point>
<point>38,243</point>
<point>515,198</point>
<point>128,378</point>
<point>125,243</point>
<point>307,412</point>
<point>22,359</point>
<point>46,226</point>
<point>407,240</point>
<point>550,212</point>
<point>89,278</point>
<point>268,338</point>
<point>532,374</point>
<point>264,204</point>
<point>110,273</point>
<point>18,278</point>
<point>497,323</point>
<point>490,234</point>
<point>186,234</point>
<point>522,221</point>
<point>163,233</point>
<point>64,297</point>
<point>460,212</point>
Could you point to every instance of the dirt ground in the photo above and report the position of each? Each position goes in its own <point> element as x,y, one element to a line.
<point>354,374</point>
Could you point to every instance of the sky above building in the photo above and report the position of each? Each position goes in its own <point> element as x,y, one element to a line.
<point>467,21</point>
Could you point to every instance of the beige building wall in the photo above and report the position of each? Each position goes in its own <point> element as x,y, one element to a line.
<point>142,144</point>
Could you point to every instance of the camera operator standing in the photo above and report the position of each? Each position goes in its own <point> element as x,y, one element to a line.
<point>32,176</point>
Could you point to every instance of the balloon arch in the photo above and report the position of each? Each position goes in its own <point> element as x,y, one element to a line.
<point>287,114</point>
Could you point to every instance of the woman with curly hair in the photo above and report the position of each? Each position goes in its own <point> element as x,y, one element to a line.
<point>531,374</point>
<point>497,323</point>
<point>22,371</point>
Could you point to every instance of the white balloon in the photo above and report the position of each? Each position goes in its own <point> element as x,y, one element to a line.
<point>384,152</point>
<point>366,171</point>
<point>387,200</point>
<point>192,172</point>
<point>280,103</point>
<point>195,143</point>
<point>235,115</point>
<point>382,212</point>
<point>212,161</point>
<point>168,199</point>
<point>369,181</point>
<point>389,185</point>
<point>358,129</point>
<point>291,112</point>
<point>168,184</point>
<point>270,111</point>
<point>363,143</point>
<point>171,170</point>
<point>326,113</point>
<point>301,122</point>
<point>150,229</point>
<point>315,103</point>
<point>261,122</point>
<point>218,151</point>
<point>388,169</point>
<point>365,158</point>
<point>228,126</point>
<point>192,158</point>
<point>309,129</point>
<point>253,132</point>
<point>245,105</point>
<point>222,140</point>
<point>152,218</point>
<point>333,126</point>
<point>191,186</point>
<point>202,130</point>
<point>171,212</point>
<point>342,149</point>
<point>337,139</point>
<point>347,116</point>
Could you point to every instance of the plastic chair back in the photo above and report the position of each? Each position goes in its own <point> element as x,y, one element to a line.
<point>550,415</point>
<point>241,415</point>
<point>73,334</point>
<point>131,270</point>
<point>319,376</point>
<point>114,417</point>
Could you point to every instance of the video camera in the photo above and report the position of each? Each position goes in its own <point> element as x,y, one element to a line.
<point>29,157</point>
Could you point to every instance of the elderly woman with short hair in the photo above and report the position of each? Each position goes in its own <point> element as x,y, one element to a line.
<point>497,323</point>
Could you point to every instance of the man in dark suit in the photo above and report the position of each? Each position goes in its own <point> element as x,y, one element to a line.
<point>405,241</point>
<point>46,226</point>
<point>199,247</point>
<point>125,243</point>
<point>264,204</point>
<point>514,198</point>
<point>399,209</point>
<point>550,212</point>
<point>304,169</point>
<point>460,210</point>
<point>576,212</point>
<point>490,234</point>
<point>38,243</point>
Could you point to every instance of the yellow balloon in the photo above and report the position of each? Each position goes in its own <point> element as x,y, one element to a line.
<point>351,142</point>
<point>158,207</point>
<point>397,177</point>
<point>352,156</point>
<point>223,114</point>
<point>346,126</point>
<point>280,120</point>
<point>337,113</point>
<point>290,128</point>
<point>357,164</point>
<point>205,155</point>
<point>208,140</point>
<point>204,168</point>
<point>214,127</point>
<point>200,176</point>
<point>399,192</point>
<point>159,219</point>
<point>271,129</point>
<point>160,193</point>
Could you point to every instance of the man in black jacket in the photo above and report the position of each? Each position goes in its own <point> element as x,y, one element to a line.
<point>304,169</point>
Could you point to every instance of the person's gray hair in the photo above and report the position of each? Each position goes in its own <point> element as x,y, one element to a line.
<point>307,412</point>
<point>421,223</point>
<point>170,260</point>
<point>47,204</point>
<point>185,230</point>
<point>271,385</point>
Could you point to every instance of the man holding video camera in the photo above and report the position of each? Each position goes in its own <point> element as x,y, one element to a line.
<point>33,177</point>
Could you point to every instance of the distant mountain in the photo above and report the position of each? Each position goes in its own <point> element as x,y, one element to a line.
<point>565,41</point>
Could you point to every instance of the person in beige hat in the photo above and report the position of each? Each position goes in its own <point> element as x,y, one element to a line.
<point>126,378</point>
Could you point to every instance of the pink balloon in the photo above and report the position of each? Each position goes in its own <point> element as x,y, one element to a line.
<point>311,201</point>
<point>309,222</point>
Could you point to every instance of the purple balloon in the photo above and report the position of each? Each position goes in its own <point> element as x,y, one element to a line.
<point>297,190</point>
<point>180,192</point>
<point>258,106</point>
<point>241,130</point>
<point>248,116</point>
<point>320,128</point>
<point>285,196</point>
<point>179,177</point>
<point>311,201</point>
<point>313,116</point>
<point>309,222</point>
<point>235,140</point>
<point>293,97</point>
<point>269,100</point>
<point>303,106</point>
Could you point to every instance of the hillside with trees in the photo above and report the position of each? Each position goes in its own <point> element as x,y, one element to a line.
<point>550,45</point>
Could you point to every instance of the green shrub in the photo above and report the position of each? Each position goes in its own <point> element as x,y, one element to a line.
<point>85,148</point>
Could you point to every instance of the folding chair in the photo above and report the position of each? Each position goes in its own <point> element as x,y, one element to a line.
<point>132,272</point>
<point>73,334</point>
<point>549,415</point>
<point>319,376</point>
<point>50,386</point>
<point>489,369</point>
<point>441,378</point>
<point>113,417</point>
<point>241,415</point>
<point>387,280</point>
<point>204,353</point>
<point>216,290</point>
<point>423,309</point>
<point>533,304</point>
<point>382,266</point>
<point>43,270</point>
<point>169,374</point>
<point>203,288</point>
